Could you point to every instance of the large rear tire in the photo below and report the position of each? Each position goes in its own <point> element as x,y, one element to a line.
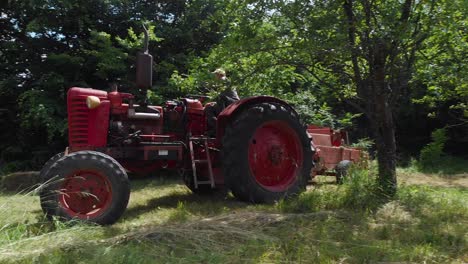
<point>87,186</point>
<point>266,154</point>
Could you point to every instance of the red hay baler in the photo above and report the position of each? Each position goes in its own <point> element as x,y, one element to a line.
<point>260,150</point>
<point>332,157</point>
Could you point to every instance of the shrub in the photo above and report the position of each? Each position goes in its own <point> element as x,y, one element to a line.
<point>433,153</point>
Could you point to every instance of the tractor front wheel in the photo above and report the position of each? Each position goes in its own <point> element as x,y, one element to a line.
<point>266,154</point>
<point>87,186</point>
<point>45,169</point>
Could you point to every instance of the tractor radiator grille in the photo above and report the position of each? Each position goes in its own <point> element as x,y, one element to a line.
<point>78,116</point>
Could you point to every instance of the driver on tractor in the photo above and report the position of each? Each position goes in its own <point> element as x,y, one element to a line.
<point>227,96</point>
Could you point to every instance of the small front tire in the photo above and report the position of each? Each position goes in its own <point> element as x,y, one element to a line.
<point>85,185</point>
<point>45,169</point>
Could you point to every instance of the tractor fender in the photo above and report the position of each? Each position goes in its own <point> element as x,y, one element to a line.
<point>233,109</point>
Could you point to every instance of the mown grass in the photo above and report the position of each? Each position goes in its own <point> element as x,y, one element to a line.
<point>165,223</point>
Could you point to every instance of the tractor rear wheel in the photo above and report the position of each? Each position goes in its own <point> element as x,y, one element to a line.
<point>266,154</point>
<point>87,186</point>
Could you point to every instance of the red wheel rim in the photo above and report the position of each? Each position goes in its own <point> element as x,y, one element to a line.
<point>275,155</point>
<point>85,194</point>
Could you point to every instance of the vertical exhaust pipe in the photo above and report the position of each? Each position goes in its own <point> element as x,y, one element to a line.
<point>144,66</point>
<point>144,81</point>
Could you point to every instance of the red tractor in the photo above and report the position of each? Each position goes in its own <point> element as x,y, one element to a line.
<point>260,150</point>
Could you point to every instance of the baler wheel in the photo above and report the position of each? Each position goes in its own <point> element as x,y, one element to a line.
<point>87,186</point>
<point>266,154</point>
<point>341,170</point>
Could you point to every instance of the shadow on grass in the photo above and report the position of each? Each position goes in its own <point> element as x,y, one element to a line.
<point>160,179</point>
<point>203,205</point>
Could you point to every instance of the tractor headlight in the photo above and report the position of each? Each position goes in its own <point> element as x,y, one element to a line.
<point>92,101</point>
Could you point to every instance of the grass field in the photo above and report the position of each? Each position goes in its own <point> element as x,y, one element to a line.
<point>164,222</point>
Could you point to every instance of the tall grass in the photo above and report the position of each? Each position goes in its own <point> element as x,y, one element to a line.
<point>358,192</point>
<point>330,223</point>
<point>422,224</point>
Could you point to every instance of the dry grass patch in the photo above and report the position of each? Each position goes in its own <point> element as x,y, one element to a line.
<point>455,180</point>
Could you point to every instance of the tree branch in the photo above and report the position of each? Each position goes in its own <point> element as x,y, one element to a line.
<point>358,108</point>
<point>406,11</point>
<point>348,8</point>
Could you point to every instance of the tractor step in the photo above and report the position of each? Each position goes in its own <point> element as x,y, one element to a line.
<point>199,160</point>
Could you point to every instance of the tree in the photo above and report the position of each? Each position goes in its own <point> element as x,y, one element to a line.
<point>382,64</point>
<point>359,52</point>
<point>442,65</point>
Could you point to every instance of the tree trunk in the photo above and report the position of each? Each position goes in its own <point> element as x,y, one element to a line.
<point>376,95</point>
<point>381,119</point>
<point>384,133</point>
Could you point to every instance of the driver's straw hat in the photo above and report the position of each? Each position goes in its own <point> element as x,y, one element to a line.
<point>220,71</point>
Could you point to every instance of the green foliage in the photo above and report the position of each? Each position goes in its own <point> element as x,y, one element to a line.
<point>312,112</point>
<point>190,84</point>
<point>295,50</point>
<point>310,109</point>
<point>14,166</point>
<point>154,98</point>
<point>363,143</point>
<point>109,60</point>
<point>40,112</point>
<point>134,41</point>
<point>443,63</point>
<point>433,153</point>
